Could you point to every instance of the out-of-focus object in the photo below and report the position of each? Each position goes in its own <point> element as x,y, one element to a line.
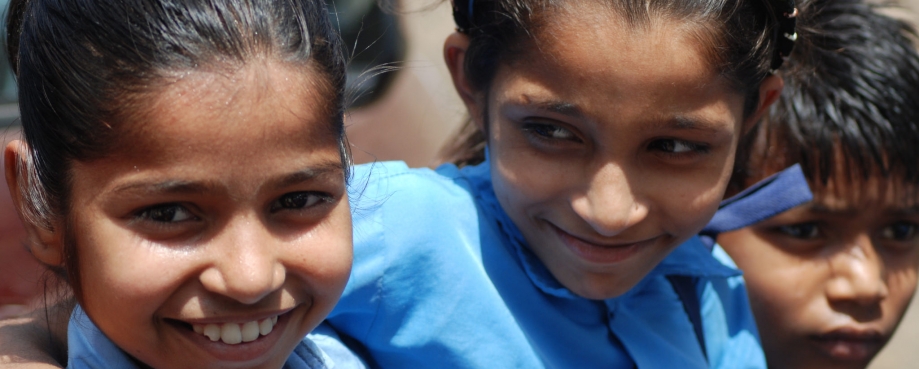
<point>374,44</point>
<point>419,110</point>
<point>19,271</point>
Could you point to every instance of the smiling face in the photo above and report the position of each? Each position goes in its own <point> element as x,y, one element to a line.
<point>830,280</point>
<point>220,234</point>
<point>609,145</point>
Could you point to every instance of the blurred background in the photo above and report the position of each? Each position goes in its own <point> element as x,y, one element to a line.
<point>403,107</point>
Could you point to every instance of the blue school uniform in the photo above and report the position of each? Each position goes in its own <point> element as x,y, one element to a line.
<point>89,348</point>
<point>443,278</point>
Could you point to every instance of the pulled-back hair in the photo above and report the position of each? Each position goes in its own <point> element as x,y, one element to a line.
<point>85,66</point>
<point>739,37</point>
<point>849,103</point>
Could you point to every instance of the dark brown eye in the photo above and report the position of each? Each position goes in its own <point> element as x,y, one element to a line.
<point>899,231</point>
<point>549,131</point>
<point>804,231</point>
<point>299,200</point>
<point>169,213</point>
<point>675,146</point>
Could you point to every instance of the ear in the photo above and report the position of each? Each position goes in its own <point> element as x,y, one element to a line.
<point>455,56</point>
<point>769,92</point>
<point>44,243</point>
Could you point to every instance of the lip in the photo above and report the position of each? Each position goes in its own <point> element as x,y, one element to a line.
<point>597,253</point>
<point>240,353</point>
<point>850,344</point>
<point>239,319</point>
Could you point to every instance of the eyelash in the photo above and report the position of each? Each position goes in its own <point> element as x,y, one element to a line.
<point>794,230</point>
<point>889,232</point>
<point>669,145</point>
<point>159,213</point>
<point>300,201</point>
<point>545,131</point>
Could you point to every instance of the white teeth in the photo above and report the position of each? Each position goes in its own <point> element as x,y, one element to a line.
<point>231,334</point>
<point>212,331</point>
<point>265,326</point>
<point>250,331</point>
<point>234,333</point>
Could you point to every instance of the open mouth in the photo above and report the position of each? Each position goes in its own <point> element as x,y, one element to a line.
<point>233,333</point>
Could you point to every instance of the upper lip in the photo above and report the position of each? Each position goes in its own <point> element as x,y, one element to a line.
<point>600,243</point>
<point>235,318</point>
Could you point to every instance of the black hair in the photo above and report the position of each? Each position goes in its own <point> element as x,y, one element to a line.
<point>84,66</point>
<point>745,41</point>
<point>849,102</point>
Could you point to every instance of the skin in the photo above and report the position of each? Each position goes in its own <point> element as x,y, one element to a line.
<point>609,145</point>
<point>194,220</point>
<point>830,280</point>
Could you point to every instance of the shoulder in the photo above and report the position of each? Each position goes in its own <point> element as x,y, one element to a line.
<point>400,210</point>
<point>324,349</point>
<point>373,183</point>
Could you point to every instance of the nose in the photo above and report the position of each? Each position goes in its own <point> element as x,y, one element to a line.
<point>610,205</point>
<point>245,263</point>
<point>858,275</point>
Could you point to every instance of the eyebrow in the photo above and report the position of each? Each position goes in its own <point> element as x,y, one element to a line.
<point>169,187</point>
<point>684,123</point>
<point>192,187</point>
<point>559,107</point>
<point>308,174</point>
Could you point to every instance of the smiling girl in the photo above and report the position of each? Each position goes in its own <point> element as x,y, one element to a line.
<point>184,171</point>
<point>603,137</point>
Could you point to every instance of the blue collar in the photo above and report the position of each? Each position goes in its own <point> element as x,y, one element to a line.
<point>88,347</point>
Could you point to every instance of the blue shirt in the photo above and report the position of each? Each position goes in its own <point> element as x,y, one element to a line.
<point>88,347</point>
<point>443,278</point>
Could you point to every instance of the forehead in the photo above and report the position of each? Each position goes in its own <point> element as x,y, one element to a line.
<point>843,193</point>
<point>260,101</point>
<point>590,55</point>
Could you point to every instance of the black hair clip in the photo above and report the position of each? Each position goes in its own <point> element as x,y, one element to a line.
<point>463,14</point>
<point>785,34</point>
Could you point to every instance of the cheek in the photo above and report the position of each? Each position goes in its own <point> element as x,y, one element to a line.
<point>325,256</point>
<point>125,280</point>
<point>686,200</point>
<point>523,181</point>
<point>785,291</point>
<point>901,284</point>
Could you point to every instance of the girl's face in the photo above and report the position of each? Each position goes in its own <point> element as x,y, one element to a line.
<point>830,280</point>
<point>609,145</point>
<point>219,233</point>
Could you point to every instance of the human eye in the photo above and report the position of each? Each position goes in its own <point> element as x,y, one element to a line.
<point>547,131</point>
<point>801,231</point>
<point>677,147</point>
<point>166,214</point>
<point>300,201</point>
<point>900,231</point>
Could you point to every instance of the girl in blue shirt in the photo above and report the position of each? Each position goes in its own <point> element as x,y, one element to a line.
<point>183,171</point>
<point>603,136</point>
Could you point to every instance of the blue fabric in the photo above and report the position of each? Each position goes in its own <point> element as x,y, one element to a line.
<point>88,347</point>
<point>442,278</point>
<point>765,199</point>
